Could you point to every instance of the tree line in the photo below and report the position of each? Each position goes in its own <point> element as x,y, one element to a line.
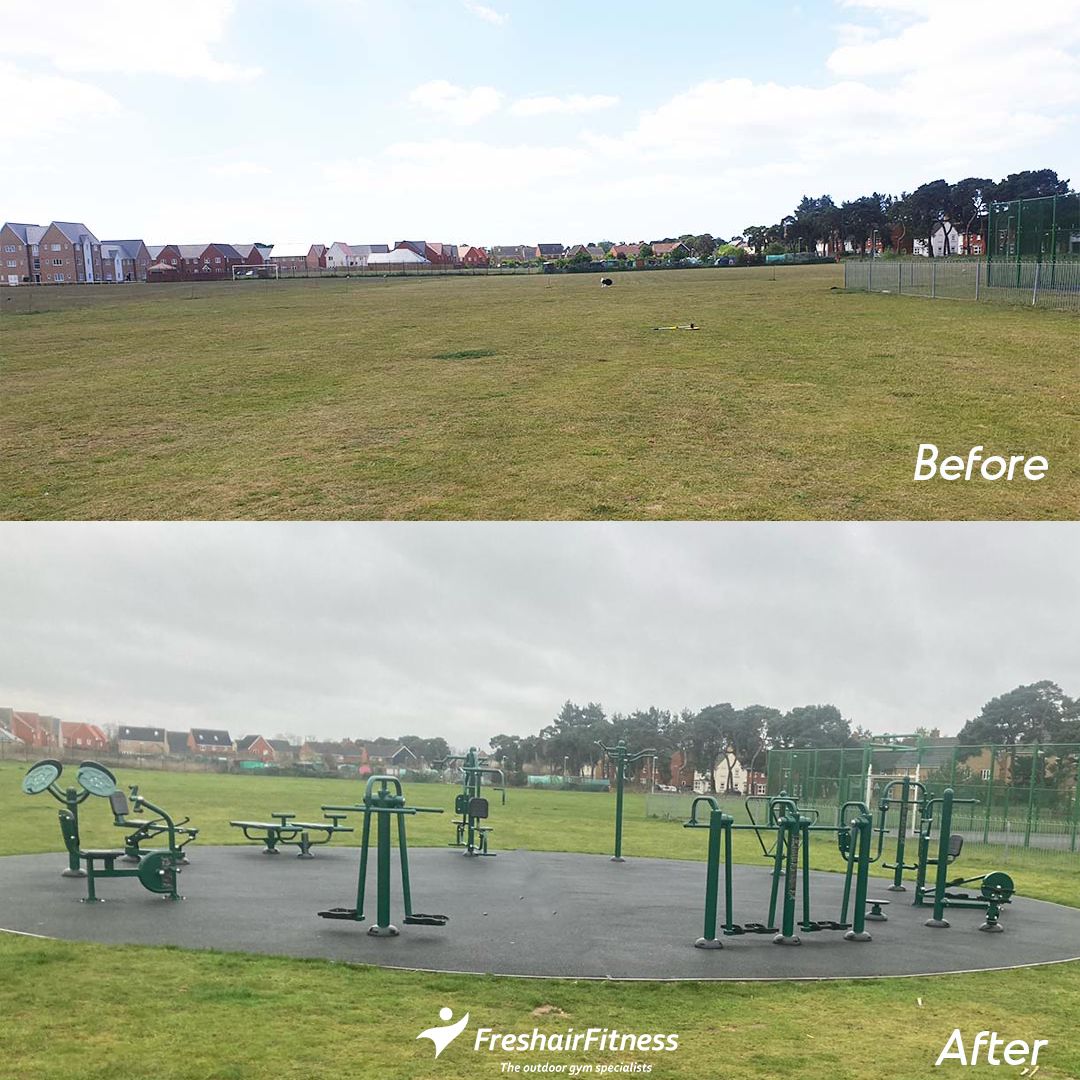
<point>1040,712</point>
<point>894,218</point>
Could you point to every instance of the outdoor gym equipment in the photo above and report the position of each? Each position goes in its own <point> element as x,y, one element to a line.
<point>179,834</point>
<point>789,850</point>
<point>620,756</point>
<point>384,803</point>
<point>157,870</point>
<point>43,776</point>
<point>905,803</point>
<point>470,832</point>
<point>94,778</point>
<point>286,831</point>
<point>995,889</point>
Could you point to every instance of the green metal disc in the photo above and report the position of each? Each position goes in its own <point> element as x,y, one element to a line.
<point>40,775</point>
<point>998,886</point>
<point>157,872</point>
<point>96,779</point>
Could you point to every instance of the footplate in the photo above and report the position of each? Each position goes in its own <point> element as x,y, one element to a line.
<point>426,920</point>
<point>341,913</point>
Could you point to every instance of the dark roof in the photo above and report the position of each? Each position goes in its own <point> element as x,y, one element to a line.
<point>550,249</point>
<point>210,737</point>
<point>177,740</point>
<point>74,229</point>
<point>280,744</point>
<point>142,734</point>
<point>130,248</point>
<point>245,741</point>
<point>325,747</point>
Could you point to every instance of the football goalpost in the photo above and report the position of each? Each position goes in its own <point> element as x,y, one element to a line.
<point>253,272</point>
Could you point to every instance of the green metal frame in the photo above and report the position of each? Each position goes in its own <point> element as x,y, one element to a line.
<point>384,801</point>
<point>469,831</point>
<point>289,832</point>
<point>621,756</point>
<point>790,854</point>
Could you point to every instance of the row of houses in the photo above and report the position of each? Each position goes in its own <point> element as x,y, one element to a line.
<point>49,733</point>
<point>65,252</point>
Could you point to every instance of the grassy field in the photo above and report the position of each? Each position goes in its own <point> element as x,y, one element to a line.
<point>526,397</point>
<point>87,1010</point>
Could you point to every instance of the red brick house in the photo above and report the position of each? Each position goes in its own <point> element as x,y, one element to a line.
<point>41,732</point>
<point>69,253</point>
<point>475,256</point>
<point>20,256</point>
<point>76,736</point>
<point>673,248</point>
<point>316,257</point>
<point>254,748</point>
<point>291,258</point>
<point>167,254</point>
<point>625,251</point>
<point>249,254</point>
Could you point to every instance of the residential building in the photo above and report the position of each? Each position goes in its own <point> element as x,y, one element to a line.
<point>291,258</point>
<point>625,251</point>
<point>387,756</point>
<point>124,260</point>
<point>77,736</point>
<point>254,748</point>
<point>473,256</point>
<point>250,254</point>
<point>673,248</point>
<point>141,741</point>
<point>342,256</point>
<point>20,255</point>
<point>209,741</point>
<point>41,732</point>
<point>316,257</point>
<point>549,252</point>
<point>177,742</point>
<point>518,253</point>
<point>69,253</point>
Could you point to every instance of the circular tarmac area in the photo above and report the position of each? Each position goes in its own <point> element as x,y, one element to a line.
<point>533,914</point>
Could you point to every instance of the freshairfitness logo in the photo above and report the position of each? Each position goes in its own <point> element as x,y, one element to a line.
<point>570,1040</point>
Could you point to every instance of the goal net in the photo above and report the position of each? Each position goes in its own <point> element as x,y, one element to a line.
<point>253,272</point>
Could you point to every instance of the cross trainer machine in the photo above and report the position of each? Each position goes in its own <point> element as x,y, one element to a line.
<point>790,851</point>
<point>621,757</point>
<point>470,803</point>
<point>383,799</point>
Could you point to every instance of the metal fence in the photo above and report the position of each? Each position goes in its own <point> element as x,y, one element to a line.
<point>1053,285</point>
<point>1026,796</point>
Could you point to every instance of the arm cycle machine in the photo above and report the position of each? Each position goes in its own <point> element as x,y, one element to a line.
<point>790,853</point>
<point>470,805</point>
<point>384,799</point>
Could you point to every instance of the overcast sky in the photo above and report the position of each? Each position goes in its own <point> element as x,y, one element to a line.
<point>514,121</point>
<point>470,630</point>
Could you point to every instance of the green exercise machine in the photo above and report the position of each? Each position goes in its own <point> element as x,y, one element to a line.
<point>44,776</point>
<point>93,778</point>
<point>908,803</point>
<point>621,756</point>
<point>790,853</point>
<point>471,805</point>
<point>995,889</point>
<point>285,830</point>
<point>383,799</point>
<point>156,871</point>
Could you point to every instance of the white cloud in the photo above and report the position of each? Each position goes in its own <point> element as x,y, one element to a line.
<point>482,11</point>
<point>570,103</point>
<point>167,37</point>
<point>455,103</point>
<point>240,169</point>
<point>57,103</point>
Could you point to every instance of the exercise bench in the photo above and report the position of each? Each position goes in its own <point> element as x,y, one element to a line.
<point>287,831</point>
<point>147,829</point>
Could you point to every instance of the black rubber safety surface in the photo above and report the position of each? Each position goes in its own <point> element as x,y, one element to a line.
<point>521,913</point>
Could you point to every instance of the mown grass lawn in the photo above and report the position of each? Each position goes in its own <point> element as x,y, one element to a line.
<point>527,397</point>
<point>96,1012</point>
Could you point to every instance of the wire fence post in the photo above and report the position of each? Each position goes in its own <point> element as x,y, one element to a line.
<point>933,278</point>
<point>978,276</point>
<point>1035,287</point>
